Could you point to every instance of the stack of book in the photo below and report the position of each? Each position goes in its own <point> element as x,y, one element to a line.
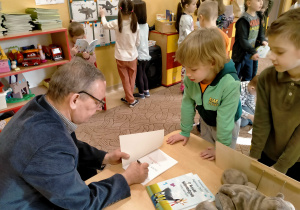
<point>45,19</point>
<point>16,23</point>
<point>182,192</point>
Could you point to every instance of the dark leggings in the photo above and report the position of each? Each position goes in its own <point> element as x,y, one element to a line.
<point>293,172</point>
<point>141,77</point>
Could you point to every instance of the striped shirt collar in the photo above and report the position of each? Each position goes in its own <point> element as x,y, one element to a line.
<point>71,127</point>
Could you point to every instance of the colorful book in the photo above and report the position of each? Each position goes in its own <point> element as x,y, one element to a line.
<point>183,192</point>
<point>263,51</point>
<point>83,45</point>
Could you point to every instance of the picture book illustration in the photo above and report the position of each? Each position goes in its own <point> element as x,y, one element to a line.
<point>110,6</point>
<point>45,2</point>
<point>101,34</point>
<point>84,46</point>
<point>183,192</point>
<point>144,147</point>
<point>84,11</point>
<point>263,51</point>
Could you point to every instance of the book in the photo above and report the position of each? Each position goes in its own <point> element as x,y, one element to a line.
<point>263,51</point>
<point>144,147</point>
<point>182,192</point>
<point>84,46</point>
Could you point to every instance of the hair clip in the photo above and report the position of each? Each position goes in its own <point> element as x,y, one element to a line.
<point>120,8</point>
<point>131,10</point>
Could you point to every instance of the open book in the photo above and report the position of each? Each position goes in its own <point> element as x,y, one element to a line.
<point>182,192</point>
<point>144,147</point>
<point>84,46</point>
<point>263,51</point>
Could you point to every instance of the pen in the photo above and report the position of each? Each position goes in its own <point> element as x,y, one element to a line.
<point>138,161</point>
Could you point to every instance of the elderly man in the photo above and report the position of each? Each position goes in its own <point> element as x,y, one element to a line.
<point>43,164</point>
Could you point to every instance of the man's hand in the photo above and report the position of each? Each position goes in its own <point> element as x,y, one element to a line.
<point>265,43</point>
<point>136,173</point>
<point>255,57</point>
<point>115,157</point>
<point>177,137</point>
<point>208,154</point>
<point>251,117</point>
<point>102,11</point>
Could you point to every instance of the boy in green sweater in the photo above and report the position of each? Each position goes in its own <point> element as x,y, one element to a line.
<point>276,129</point>
<point>212,85</point>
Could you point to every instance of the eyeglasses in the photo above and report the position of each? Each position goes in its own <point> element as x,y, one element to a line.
<point>99,102</point>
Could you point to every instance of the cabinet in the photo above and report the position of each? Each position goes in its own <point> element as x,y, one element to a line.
<point>171,70</point>
<point>57,37</point>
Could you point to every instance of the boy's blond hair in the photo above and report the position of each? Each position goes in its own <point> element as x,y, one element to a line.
<point>287,26</point>
<point>75,29</point>
<point>204,45</point>
<point>209,10</point>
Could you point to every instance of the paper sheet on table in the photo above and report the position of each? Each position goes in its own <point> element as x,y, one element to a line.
<point>243,141</point>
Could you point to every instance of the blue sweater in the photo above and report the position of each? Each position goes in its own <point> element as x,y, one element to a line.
<point>39,160</point>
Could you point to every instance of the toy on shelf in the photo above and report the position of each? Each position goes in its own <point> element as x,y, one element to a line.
<point>3,104</point>
<point>53,52</point>
<point>2,54</point>
<point>31,57</point>
<point>4,62</point>
<point>14,54</point>
<point>42,54</point>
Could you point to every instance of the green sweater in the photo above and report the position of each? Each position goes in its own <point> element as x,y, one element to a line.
<point>218,106</point>
<point>276,129</point>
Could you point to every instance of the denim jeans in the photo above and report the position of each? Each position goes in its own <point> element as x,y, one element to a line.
<point>247,68</point>
<point>245,121</point>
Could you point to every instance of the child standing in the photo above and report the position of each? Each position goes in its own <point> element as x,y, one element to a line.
<point>249,34</point>
<point>184,25</point>
<point>76,31</point>
<point>143,50</point>
<point>211,83</point>
<point>127,39</point>
<point>248,93</point>
<point>276,129</point>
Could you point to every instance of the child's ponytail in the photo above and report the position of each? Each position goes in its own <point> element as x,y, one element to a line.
<point>133,24</point>
<point>178,16</point>
<point>126,8</point>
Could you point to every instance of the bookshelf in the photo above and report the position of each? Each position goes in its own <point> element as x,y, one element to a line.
<point>57,37</point>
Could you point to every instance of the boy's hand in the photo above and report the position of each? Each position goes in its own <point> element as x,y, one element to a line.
<point>177,137</point>
<point>102,11</point>
<point>115,157</point>
<point>85,55</point>
<point>264,43</point>
<point>255,57</point>
<point>136,173</point>
<point>251,117</point>
<point>208,154</point>
<point>74,50</point>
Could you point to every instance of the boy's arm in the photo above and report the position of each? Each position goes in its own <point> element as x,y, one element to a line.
<point>263,118</point>
<point>261,33</point>
<point>242,28</point>
<point>291,153</point>
<point>109,25</point>
<point>226,113</point>
<point>187,110</point>
<point>268,10</point>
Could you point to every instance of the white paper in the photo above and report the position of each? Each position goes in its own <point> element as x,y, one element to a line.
<point>89,32</point>
<point>110,6</point>
<point>263,51</point>
<point>112,36</point>
<point>101,34</point>
<point>84,11</point>
<point>243,141</point>
<point>144,147</point>
<point>45,2</point>
<point>250,132</point>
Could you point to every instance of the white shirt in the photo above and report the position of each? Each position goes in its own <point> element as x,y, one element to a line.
<point>186,26</point>
<point>143,48</point>
<point>126,42</point>
<point>247,99</point>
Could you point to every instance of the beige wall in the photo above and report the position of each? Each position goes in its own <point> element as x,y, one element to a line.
<point>105,55</point>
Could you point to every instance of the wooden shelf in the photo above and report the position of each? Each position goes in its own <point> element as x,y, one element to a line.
<point>49,63</point>
<point>15,106</point>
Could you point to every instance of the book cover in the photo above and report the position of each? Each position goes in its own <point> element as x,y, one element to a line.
<point>263,51</point>
<point>83,45</point>
<point>183,192</point>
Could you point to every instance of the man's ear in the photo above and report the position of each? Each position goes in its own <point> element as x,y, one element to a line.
<point>73,100</point>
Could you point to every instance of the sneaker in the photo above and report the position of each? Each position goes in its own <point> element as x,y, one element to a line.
<point>138,95</point>
<point>134,103</point>
<point>147,94</point>
<point>124,100</point>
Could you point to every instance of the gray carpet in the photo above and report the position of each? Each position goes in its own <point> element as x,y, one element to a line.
<point>160,111</point>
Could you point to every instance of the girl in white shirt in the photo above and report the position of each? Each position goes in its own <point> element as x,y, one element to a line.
<point>127,39</point>
<point>143,50</point>
<point>184,25</point>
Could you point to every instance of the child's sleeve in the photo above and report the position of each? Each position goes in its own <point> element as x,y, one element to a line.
<point>187,110</point>
<point>261,33</point>
<point>269,8</point>
<point>226,112</point>
<point>291,153</point>
<point>109,25</point>
<point>262,116</point>
<point>242,28</point>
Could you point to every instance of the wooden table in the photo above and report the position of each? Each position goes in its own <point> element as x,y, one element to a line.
<point>188,161</point>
